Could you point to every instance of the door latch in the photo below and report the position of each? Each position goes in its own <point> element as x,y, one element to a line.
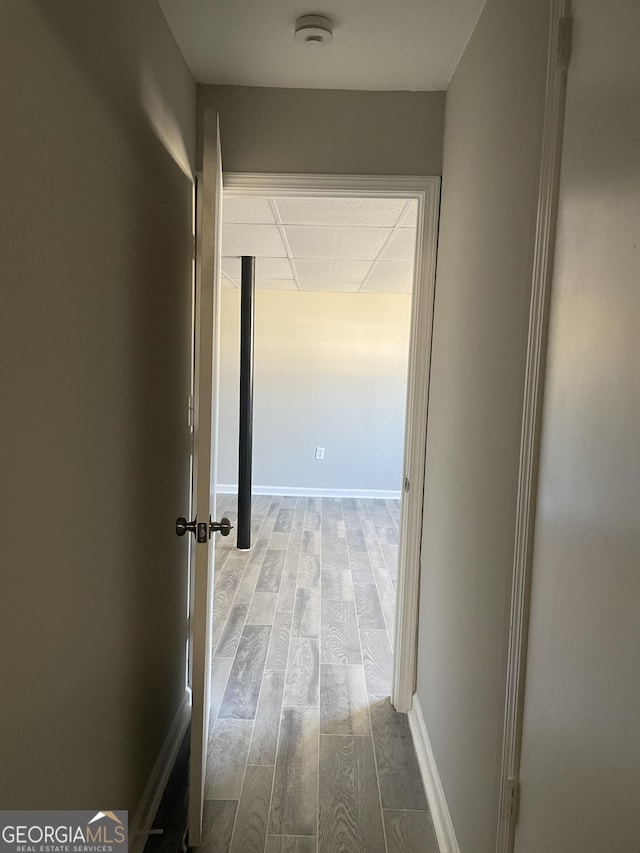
<point>202,530</point>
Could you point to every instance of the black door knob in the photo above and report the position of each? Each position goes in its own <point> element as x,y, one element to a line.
<point>223,527</point>
<point>183,526</point>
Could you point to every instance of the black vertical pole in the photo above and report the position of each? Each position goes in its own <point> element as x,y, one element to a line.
<point>245,453</point>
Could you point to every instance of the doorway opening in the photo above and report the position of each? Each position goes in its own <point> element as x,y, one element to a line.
<point>304,624</point>
<point>345,269</point>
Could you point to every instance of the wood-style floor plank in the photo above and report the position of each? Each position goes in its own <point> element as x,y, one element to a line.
<point>263,608</point>
<point>284,520</point>
<point>264,741</point>
<point>243,687</point>
<point>368,606</point>
<point>312,518</point>
<point>228,644</point>
<point>295,786</point>
<point>289,579</point>
<point>337,585</point>
<point>311,540</point>
<point>220,669</point>
<point>269,580</point>
<point>398,771</point>
<point>279,646</point>
<point>378,661</point>
<point>279,541</point>
<point>250,831</point>
<point>306,613</point>
<point>291,844</point>
<point>350,819</point>
<point>226,582</point>
<point>358,554</point>
<point>344,704</point>
<point>309,574</point>
<point>378,562</point>
<point>226,758</point>
<point>339,641</point>
<point>394,511</point>
<point>333,541</point>
<point>247,586</point>
<point>409,832</point>
<point>302,682</point>
<point>217,825</point>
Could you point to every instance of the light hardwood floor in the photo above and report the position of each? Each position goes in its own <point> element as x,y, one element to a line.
<point>306,753</point>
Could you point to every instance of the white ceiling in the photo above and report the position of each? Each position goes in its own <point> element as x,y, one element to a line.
<point>405,45</point>
<point>343,245</point>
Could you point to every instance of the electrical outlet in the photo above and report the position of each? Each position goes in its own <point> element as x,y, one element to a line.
<point>319,452</point>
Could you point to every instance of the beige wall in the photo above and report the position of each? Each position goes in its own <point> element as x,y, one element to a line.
<point>330,370</point>
<point>581,752</point>
<point>97,143</point>
<point>328,131</point>
<point>493,128</point>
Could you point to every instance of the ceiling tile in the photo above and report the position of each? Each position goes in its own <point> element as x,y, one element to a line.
<point>391,272</point>
<point>401,247</point>
<point>336,243</point>
<point>273,268</point>
<point>231,267</point>
<point>258,240</point>
<point>378,212</point>
<point>386,287</point>
<point>409,218</point>
<point>275,284</point>
<point>323,286</point>
<point>265,268</point>
<point>314,269</point>
<point>247,209</point>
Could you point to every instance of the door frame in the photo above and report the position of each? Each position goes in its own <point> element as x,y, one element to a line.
<point>426,191</point>
<point>558,56</point>
<point>206,328</point>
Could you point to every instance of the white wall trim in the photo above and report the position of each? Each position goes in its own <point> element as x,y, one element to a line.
<point>150,801</point>
<point>308,492</point>
<point>336,186</point>
<point>442,823</point>
<point>426,191</point>
<point>415,448</point>
<point>531,415</point>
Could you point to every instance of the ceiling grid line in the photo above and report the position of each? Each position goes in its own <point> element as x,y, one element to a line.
<point>386,245</point>
<point>285,240</point>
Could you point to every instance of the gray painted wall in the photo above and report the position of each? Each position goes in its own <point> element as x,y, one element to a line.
<point>97,148</point>
<point>493,128</point>
<point>330,370</point>
<point>327,131</point>
<point>581,752</point>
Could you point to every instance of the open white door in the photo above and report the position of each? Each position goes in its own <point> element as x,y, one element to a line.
<point>207,301</point>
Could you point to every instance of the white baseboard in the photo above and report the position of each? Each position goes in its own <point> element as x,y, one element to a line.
<point>307,492</point>
<point>440,815</point>
<point>145,813</point>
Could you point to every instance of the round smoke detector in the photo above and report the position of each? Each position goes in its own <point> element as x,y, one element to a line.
<point>314,30</point>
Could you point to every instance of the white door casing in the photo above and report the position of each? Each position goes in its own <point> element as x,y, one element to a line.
<point>580,748</point>
<point>426,191</point>
<point>207,301</point>
<point>559,49</point>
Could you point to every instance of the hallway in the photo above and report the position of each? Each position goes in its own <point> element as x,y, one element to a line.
<point>306,752</point>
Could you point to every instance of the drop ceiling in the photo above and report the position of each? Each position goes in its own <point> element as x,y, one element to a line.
<point>412,45</point>
<point>321,244</point>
